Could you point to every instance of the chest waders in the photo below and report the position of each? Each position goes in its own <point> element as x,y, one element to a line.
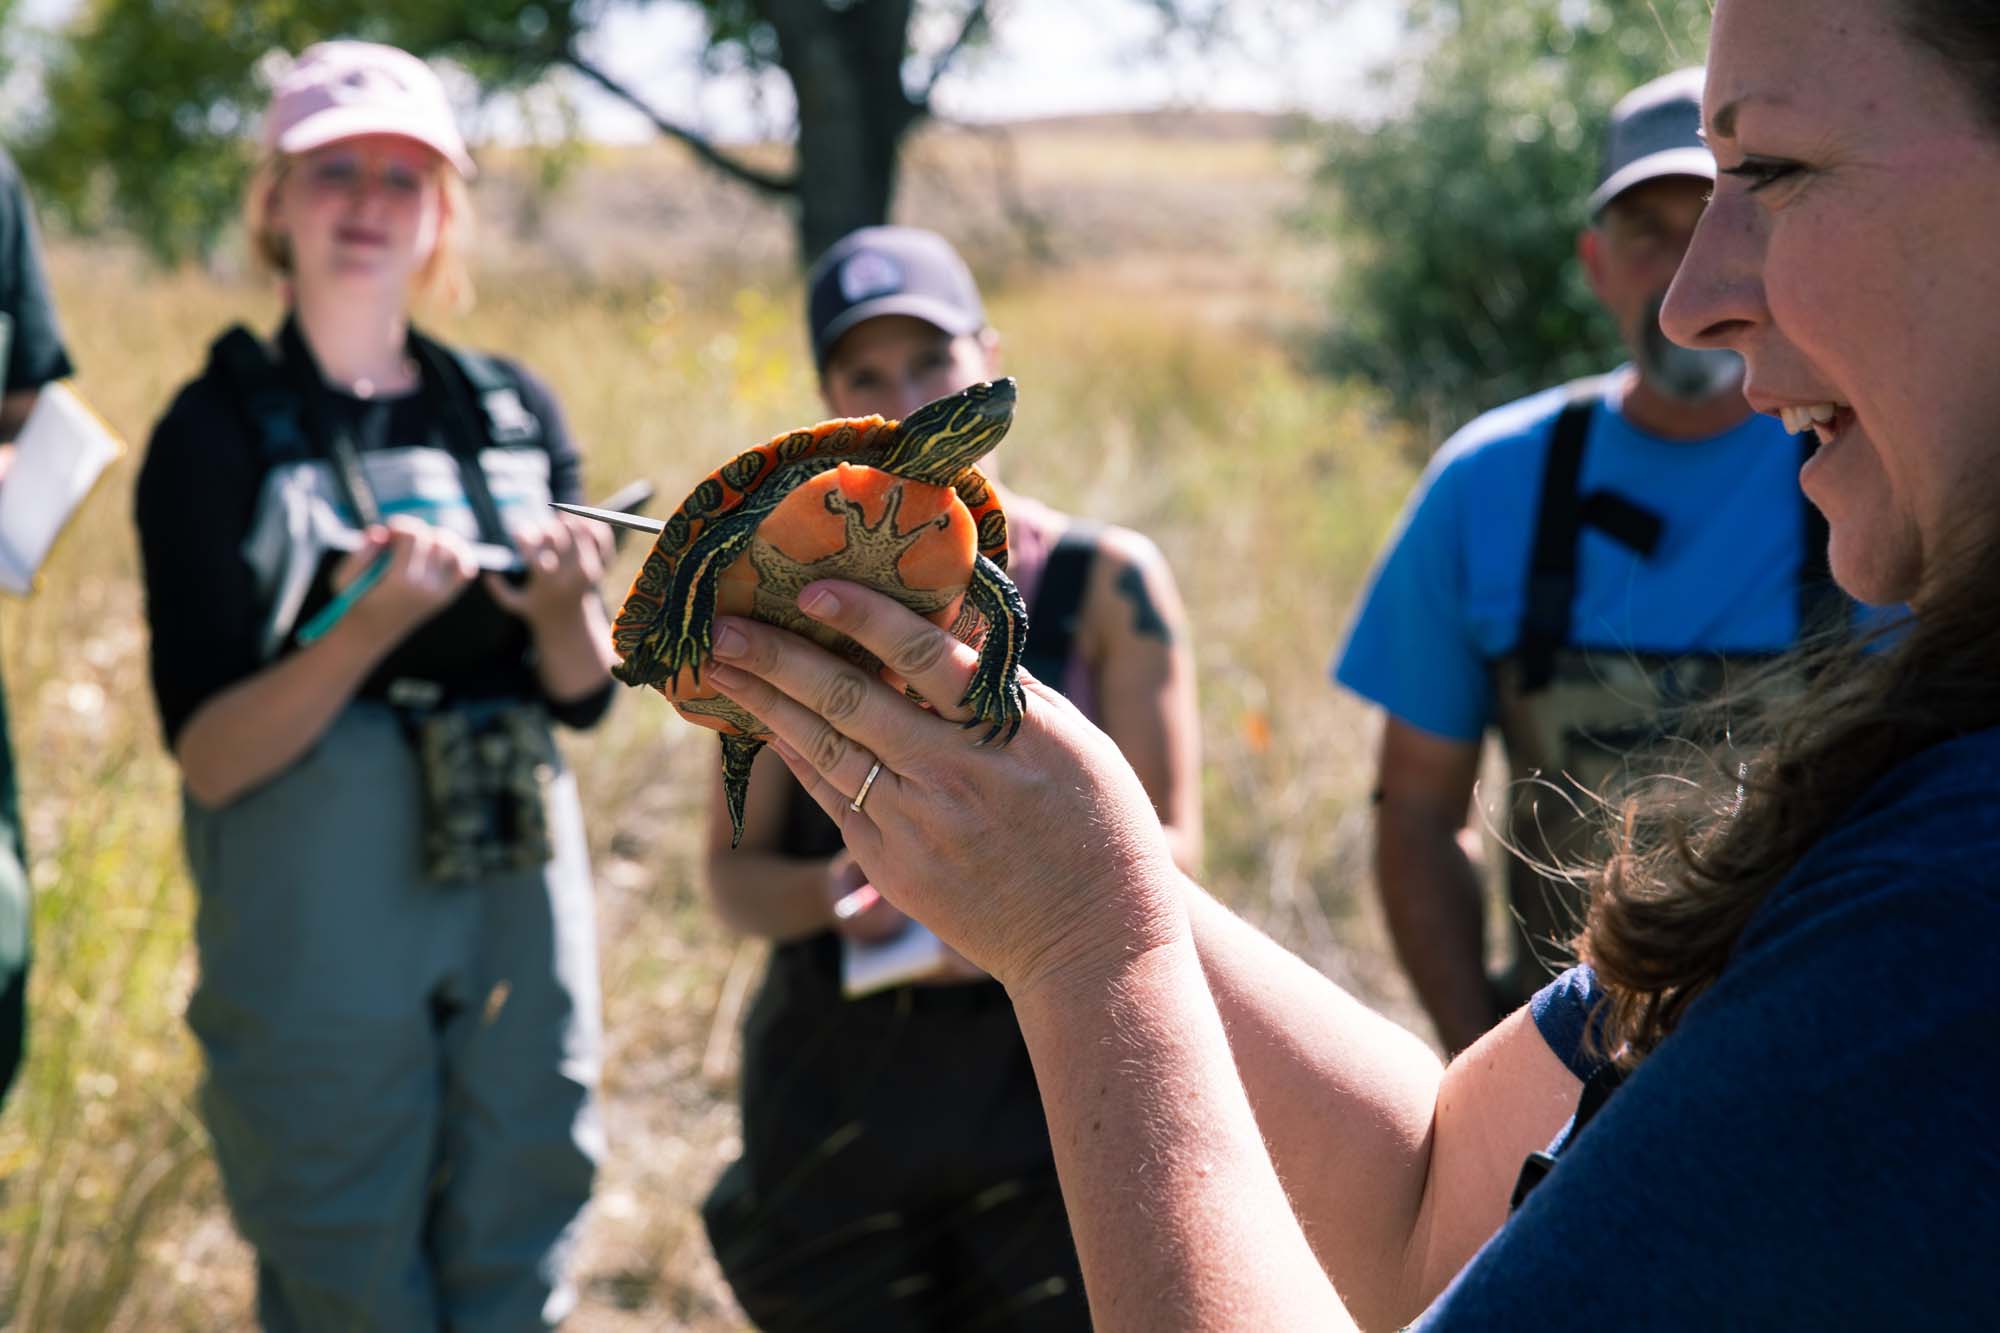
<point>896,1170</point>
<point>398,1072</point>
<point>484,762</point>
<point>1584,726</point>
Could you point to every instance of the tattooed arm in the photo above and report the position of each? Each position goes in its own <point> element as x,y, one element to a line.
<point>1134,637</point>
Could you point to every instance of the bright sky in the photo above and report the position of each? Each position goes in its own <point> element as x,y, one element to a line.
<point>1047,57</point>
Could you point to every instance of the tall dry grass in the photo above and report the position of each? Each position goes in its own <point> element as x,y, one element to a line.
<point>1157,391</point>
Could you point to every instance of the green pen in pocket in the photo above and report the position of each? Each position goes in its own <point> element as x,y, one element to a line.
<point>343,601</point>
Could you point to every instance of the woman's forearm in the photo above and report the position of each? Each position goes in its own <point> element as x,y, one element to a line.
<point>1179,1217</point>
<point>573,657</point>
<point>763,893</point>
<point>1353,1107</point>
<point>259,726</point>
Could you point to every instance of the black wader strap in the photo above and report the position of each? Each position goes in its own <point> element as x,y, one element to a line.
<point>1597,1091</point>
<point>1558,523</point>
<point>1057,612</point>
<point>1560,519</point>
<point>348,476</point>
<point>265,394</point>
<point>467,426</point>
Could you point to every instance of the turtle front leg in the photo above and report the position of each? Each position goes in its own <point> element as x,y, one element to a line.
<point>679,638</point>
<point>995,695</point>
<point>737,754</point>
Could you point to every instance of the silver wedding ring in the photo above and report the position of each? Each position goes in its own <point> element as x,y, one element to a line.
<point>866,783</point>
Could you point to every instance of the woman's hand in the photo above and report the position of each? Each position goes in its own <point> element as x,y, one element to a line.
<point>1039,861</point>
<point>565,558</point>
<point>427,569</point>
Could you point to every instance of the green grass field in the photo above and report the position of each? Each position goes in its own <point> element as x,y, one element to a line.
<point>1151,328</point>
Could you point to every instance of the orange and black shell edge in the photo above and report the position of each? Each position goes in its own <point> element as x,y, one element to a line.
<point>860,440</point>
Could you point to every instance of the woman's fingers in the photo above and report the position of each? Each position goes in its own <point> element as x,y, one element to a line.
<point>931,661</point>
<point>847,702</point>
<point>835,757</point>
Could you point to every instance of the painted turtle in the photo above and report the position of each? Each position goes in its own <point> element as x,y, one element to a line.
<point>898,506</point>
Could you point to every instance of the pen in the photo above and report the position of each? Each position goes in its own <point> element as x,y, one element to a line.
<point>343,601</point>
<point>855,903</point>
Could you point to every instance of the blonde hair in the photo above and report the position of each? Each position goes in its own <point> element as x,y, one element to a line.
<point>444,280</point>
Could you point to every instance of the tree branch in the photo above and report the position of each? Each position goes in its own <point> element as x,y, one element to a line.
<point>968,32</point>
<point>785,186</point>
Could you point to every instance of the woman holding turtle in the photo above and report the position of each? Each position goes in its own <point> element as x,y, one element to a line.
<point>398,1000</point>
<point>1773,1079</point>
<point>896,1170</point>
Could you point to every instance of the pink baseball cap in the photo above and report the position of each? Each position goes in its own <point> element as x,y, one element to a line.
<point>343,90</point>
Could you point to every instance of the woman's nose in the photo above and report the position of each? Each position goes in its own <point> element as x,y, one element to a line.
<point>1717,296</point>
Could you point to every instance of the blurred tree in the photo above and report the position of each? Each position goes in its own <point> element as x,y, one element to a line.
<point>148,101</point>
<point>1457,214</point>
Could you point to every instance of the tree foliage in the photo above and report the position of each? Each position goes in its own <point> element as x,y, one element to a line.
<point>1457,215</point>
<point>149,101</point>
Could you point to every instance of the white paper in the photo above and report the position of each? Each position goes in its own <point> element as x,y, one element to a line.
<point>61,451</point>
<point>911,954</point>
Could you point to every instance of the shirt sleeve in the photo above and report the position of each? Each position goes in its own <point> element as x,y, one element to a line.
<point>35,351</point>
<point>1567,1013</point>
<point>1812,1148</point>
<point>1410,649</point>
<point>193,504</point>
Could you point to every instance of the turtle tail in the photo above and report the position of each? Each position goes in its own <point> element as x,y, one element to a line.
<point>737,754</point>
<point>995,696</point>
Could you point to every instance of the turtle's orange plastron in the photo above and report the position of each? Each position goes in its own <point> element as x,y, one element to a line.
<point>895,506</point>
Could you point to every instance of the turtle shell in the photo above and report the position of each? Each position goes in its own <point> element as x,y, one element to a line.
<point>832,514</point>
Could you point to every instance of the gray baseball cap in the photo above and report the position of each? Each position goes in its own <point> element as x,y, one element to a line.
<point>1655,131</point>
<point>890,271</point>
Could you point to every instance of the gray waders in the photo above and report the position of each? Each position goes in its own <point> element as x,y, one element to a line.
<point>399,992</point>
<point>399,1070</point>
<point>1584,727</point>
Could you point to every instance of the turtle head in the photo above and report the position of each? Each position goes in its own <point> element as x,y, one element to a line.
<point>942,439</point>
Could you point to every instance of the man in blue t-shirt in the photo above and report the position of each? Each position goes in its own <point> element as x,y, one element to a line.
<point>1573,569</point>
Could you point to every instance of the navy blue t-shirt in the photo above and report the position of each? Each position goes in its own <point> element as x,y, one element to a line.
<point>1816,1146</point>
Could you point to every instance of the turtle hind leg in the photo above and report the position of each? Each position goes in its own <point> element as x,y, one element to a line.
<point>737,754</point>
<point>995,695</point>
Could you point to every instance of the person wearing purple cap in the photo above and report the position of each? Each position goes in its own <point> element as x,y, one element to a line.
<point>364,620</point>
<point>1574,571</point>
<point>896,1171</point>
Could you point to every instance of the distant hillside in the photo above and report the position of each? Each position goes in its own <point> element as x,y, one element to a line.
<point>1198,189</point>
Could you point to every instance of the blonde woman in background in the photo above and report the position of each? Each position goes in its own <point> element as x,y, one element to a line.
<point>398,1002</point>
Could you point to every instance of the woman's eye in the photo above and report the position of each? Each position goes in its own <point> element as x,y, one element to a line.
<point>337,173</point>
<point>401,180</point>
<point>1759,172</point>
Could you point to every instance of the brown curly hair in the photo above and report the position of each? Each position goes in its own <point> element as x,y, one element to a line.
<point>1686,873</point>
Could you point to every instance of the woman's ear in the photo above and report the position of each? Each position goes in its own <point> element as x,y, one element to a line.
<point>989,347</point>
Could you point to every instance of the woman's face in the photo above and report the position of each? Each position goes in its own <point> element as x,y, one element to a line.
<point>361,214</point>
<point>1848,254</point>
<point>894,364</point>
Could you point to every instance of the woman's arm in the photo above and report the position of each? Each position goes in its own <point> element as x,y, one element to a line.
<point>250,731</point>
<point>1354,1107</point>
<point>1135,638</point>
<point>558,600</point>
<point>1179,1216</point>
<point>1396,1170</point>
<point>757,889</point>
